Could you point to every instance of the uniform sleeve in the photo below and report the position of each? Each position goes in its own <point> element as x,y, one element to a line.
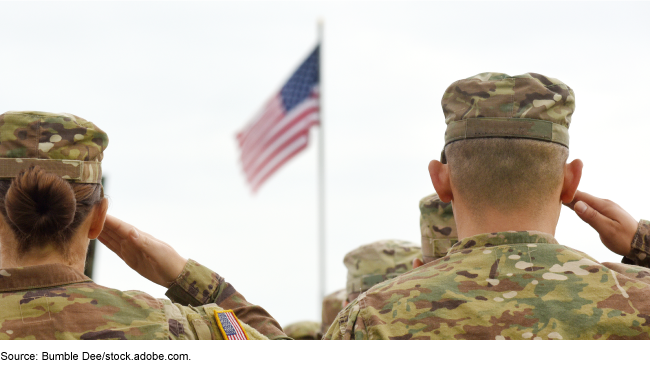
<point>197,285</point>
<point>198,323</point>
<point>640,254</point>
<point>348,325</point>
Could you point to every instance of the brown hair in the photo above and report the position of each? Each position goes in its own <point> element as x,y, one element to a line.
<point>43,208</point>
<point>506,173</point>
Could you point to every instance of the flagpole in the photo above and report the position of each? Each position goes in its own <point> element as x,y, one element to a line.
<point>321,173</point>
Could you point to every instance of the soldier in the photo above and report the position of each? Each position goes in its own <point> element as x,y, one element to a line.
<point>304,330</point>
<point>377,262</point>
<point>504,168</point>
<point>438,229</point>
<point>332,305</point>
<point>51,204</point>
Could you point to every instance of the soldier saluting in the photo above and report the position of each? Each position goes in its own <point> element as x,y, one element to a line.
<point>51,204</point>
<point>504,167</point>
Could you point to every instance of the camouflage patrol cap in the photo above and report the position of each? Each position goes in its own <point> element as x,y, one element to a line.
<point>62,144</point>
<point>491,104</point>
<point>332,305</point>
<point>437,226</point>
<point>375,262</point>
<point>304,330</point>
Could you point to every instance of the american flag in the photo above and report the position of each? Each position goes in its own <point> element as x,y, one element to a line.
<point>231,326</point>
<point>281,129</point>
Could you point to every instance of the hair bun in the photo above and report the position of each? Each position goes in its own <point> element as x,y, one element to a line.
<point>40,204</point>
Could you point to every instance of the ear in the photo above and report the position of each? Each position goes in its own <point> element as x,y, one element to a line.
<point>572,175</point>
<point>439,173</point>
<point>417,263</point>
<point>98,219</point>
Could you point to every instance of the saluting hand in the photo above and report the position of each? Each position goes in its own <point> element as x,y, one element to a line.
<point>150,257</point>
<point>615,226</point>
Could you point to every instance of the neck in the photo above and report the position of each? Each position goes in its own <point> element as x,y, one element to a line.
<point>471,223</point>
<point>10,258</point>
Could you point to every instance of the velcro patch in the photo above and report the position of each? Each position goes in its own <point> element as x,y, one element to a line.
<point>229,325</point>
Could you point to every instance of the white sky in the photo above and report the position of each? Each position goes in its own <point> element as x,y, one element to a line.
<point>171,84</point>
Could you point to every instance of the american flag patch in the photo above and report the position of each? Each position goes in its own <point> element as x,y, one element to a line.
<point>229,325</point>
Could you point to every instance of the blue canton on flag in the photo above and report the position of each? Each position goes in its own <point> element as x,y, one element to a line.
<point>300,84</point>
<point>230,326</point>
<point>227,326</point>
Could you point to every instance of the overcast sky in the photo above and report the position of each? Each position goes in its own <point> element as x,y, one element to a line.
<point>172,83</point>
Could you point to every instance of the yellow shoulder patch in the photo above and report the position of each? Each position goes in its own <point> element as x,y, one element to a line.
<point>229,325</point>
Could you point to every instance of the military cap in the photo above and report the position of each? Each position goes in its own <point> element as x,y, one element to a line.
<point>437,226</point>
<point>304,330</point>
<point>62,144</point>
<point>332,305</point>
<point>375,262</point>
<point>492,104</point>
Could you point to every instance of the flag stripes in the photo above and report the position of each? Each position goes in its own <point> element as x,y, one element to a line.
<point>239,332</point>
<point>281,129</point>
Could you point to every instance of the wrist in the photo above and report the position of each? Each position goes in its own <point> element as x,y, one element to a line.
<point>176,272</point>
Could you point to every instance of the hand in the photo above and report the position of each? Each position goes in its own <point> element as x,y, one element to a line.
<point>615,226</point>
<point>150,257</point>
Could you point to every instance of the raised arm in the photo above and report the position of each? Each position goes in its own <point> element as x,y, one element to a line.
<point>189,282</point>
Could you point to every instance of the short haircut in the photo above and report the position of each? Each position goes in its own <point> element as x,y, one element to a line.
<point>507,174</point>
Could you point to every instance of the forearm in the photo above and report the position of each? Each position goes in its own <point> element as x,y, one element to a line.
<point>197,285</point>
<point>640,253</point>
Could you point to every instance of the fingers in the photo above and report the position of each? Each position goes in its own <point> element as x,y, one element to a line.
<point>591,216</point>
<point>118,228</point>
<point>597,203</point>
<point>585,197</point>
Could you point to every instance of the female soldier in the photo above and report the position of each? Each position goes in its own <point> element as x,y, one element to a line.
<point>51,205</point>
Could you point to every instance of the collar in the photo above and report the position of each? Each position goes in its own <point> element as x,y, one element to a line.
<point>502,238</point>
<point>39,276</point>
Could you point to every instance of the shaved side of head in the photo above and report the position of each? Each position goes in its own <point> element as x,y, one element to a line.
<point>507,174</point>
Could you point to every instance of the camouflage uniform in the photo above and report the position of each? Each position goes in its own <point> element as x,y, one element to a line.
<point>54,301</point>
<point>332,305</point>
<point>508,285</point>
<point>437,226</point>
<point>640,246</point>
<point>304,330</point>
<point>376,262</point>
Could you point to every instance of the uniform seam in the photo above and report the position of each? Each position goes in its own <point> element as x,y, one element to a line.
<point>44,286</point>
<point>365,324</point>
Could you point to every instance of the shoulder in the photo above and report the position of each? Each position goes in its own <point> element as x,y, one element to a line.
<point>345,327</point>
<point>128,298</point>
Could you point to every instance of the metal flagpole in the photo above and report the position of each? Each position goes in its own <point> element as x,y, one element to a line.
<point>321,172</point>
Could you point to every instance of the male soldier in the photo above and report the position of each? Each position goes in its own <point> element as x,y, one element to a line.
<point>368,265</point>
<point>504,168</point>
<point>377,262</point>
<point>304,330</point>
<point>309,330</point>
<point>332,305</point>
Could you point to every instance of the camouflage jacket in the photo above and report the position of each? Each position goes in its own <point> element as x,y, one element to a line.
<point>506,285</point>
<point>640,254</point>
<point>54,301</point>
